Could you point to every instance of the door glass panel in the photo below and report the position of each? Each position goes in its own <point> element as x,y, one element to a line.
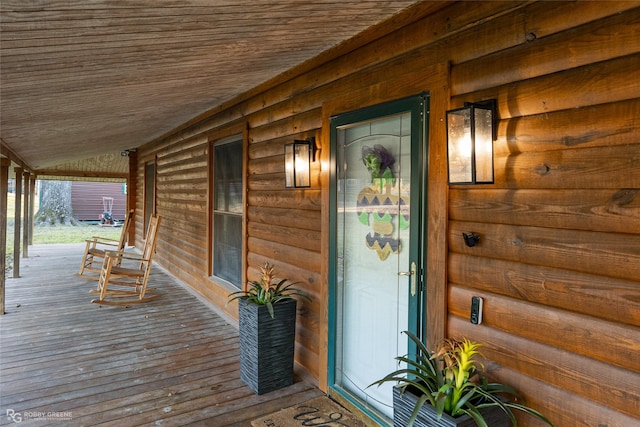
<point>373,200</point>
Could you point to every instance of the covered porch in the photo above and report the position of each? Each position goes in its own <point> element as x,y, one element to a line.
<point>172,361</point>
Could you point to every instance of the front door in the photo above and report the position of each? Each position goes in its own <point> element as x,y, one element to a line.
<point>377,216</point>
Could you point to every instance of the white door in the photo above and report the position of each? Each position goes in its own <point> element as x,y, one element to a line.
<point>375,294</point>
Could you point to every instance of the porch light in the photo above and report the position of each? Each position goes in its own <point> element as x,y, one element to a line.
<point>298,156</point>
<point>471,131</point>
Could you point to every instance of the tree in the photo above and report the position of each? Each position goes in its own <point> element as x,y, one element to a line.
<point>55,206</point>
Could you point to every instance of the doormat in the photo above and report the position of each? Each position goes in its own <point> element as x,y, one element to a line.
<point>320,411</point>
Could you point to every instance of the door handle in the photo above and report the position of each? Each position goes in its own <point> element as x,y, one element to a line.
<point>411,275</point>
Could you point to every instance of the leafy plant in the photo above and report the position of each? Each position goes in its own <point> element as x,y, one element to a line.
<point>268,290</point>
<point>450,381</point>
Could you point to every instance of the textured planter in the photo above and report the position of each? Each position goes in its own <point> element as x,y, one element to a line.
<point>403,404</point>
<point>267,345</point>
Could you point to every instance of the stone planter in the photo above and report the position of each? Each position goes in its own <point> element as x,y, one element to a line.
<point>267,345</point>
<point>403,404</point>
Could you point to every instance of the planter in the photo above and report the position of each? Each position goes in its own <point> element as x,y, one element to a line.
<point>267,345</point>
<point>403,404</point>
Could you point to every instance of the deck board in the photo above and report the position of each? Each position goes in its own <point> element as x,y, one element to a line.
<point>170,362</point>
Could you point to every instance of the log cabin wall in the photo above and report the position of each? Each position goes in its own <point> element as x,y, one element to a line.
<point>558,264</point>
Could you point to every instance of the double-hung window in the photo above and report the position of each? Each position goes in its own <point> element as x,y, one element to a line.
<point>227,211</point>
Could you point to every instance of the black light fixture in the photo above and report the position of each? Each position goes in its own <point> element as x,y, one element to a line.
<point>471,131</point>
<point>298,156</point>
<point>470,239</point>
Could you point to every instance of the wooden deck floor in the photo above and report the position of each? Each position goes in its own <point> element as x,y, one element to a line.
<point>170,362</point>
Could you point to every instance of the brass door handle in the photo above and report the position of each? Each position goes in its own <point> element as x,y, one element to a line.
<point>410,274</point>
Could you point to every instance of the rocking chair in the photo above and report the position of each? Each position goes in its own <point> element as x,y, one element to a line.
<point>120,284</point>
<point>96,247</point>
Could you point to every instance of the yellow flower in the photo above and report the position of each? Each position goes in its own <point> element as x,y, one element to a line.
<point>464,351</point>
<point>267,275</point>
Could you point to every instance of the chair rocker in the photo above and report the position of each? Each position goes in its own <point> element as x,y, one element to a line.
<point>97,246</point>
<point>122,284</point>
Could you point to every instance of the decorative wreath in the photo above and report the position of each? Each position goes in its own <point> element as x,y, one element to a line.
<point>378,161</point>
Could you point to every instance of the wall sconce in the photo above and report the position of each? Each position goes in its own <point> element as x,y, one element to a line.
<point>298,156</point>
<point>471,131</point>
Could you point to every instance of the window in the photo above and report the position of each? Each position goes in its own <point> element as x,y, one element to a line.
<point>149,193</point>
<point>227,211</point>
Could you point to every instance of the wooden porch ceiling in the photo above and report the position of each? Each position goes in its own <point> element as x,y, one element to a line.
<point>96,77</point>
<point>171,361</point>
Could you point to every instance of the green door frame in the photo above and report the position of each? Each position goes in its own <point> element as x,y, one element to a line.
<point>419,108</point>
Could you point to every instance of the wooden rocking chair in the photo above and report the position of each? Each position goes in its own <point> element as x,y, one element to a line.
<point>97,246</point>
<point>120,284</point>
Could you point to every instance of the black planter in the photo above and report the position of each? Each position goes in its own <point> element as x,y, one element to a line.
<point>267,345</point>
<point>403,404</point>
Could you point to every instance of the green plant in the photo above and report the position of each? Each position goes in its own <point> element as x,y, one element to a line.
<point>267,291</point>
<point>451,382</point>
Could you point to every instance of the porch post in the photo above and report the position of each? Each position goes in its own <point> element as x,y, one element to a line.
<point>32,195</point>
<point>4,191</point>
<point>17,224</point>
<point>27,226</point>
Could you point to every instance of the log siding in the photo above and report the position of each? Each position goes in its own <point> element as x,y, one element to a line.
<point>558,264</point>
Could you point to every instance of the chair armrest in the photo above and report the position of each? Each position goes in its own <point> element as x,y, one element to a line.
<point>94,243</point>
<point>124,255</point>
<point>103,239</point>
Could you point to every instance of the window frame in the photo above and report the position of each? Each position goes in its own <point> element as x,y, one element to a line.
<point>213,143</point>
<point>150,192</point>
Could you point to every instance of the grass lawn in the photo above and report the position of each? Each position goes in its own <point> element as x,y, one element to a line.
<point>52,234</point>
<point>73,234</point>
<point>59,234</point>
